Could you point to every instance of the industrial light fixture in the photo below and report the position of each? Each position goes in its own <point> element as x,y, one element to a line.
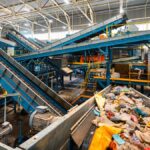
<point>66,1</point>
<point>25,31</point>
<point>121,6</point>
<point>64,27</point>
<point>50,21</point>
<point>121,10</point>
<point>43,29</point>
<point>26,9</point>
<point>89,24</point>
<point>27,24</point>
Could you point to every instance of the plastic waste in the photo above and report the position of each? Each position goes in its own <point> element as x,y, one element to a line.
<point>100,101</point>
<point>118,139</point>
<point>134,119</point>
<point>113,145</point>
<point>103,137</point>
<point>140,112</point>
<point>96,112</point>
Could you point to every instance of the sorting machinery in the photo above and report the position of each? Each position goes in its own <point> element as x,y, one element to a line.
<point>22,42</point>
<point>75,38</point>
<point>135,38</point>
<point>33,92</point>
<point>89,32</point>
<point>142,37</point>
<point>74,126</point>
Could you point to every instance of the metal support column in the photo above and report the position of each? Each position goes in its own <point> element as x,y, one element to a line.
<point>130,53</point>
<point>70,76</point>
<point>108,57</point>
<point>32,30</point>
<point>142,89</point>
<point>5,107</point>
<point>49,31</point>
<point>85,60</point>
<point>148,64</point>
<point>52,83</point>
<point>62,81</point>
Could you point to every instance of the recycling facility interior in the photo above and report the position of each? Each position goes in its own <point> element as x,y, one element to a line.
<point>75,74</point>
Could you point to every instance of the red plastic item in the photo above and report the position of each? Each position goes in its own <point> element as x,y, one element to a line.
<point>148,148</point>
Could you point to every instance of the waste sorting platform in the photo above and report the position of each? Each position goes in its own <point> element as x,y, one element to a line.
<point>115,117</point>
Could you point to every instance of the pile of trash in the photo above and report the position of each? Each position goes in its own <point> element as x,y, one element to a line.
<point>122,120</point>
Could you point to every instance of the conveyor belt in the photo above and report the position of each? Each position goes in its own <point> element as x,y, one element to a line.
<point>30,45</point>
<point>79,118</point>
<point>29,98</point>
<point>22,41</point>
<point>4,42</point>
<point>126,39</point>
<point>38,86</point>
<point>88,33</point>
<point>40,43</point>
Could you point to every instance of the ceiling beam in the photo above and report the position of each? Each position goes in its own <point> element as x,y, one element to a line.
<point>67,17</point>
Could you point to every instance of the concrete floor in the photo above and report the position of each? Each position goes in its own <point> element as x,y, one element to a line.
<point>72,88</point>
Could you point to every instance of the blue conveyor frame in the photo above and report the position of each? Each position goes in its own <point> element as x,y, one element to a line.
<point>49,96</point>
<point>20,42</point>
<point>88,32</point>
<point>6,43</point>
<point>142,37</point>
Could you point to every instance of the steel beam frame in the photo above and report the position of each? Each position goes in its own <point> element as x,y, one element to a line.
<point>132,38</point>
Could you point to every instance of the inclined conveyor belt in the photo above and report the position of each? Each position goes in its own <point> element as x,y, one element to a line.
<point>40,43</point>
<point>8,43</point>
<point>29,98</point>
<point>140,37</point>
<point>32,84</point>
<point>88,33</point>
<point>22,41</point>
